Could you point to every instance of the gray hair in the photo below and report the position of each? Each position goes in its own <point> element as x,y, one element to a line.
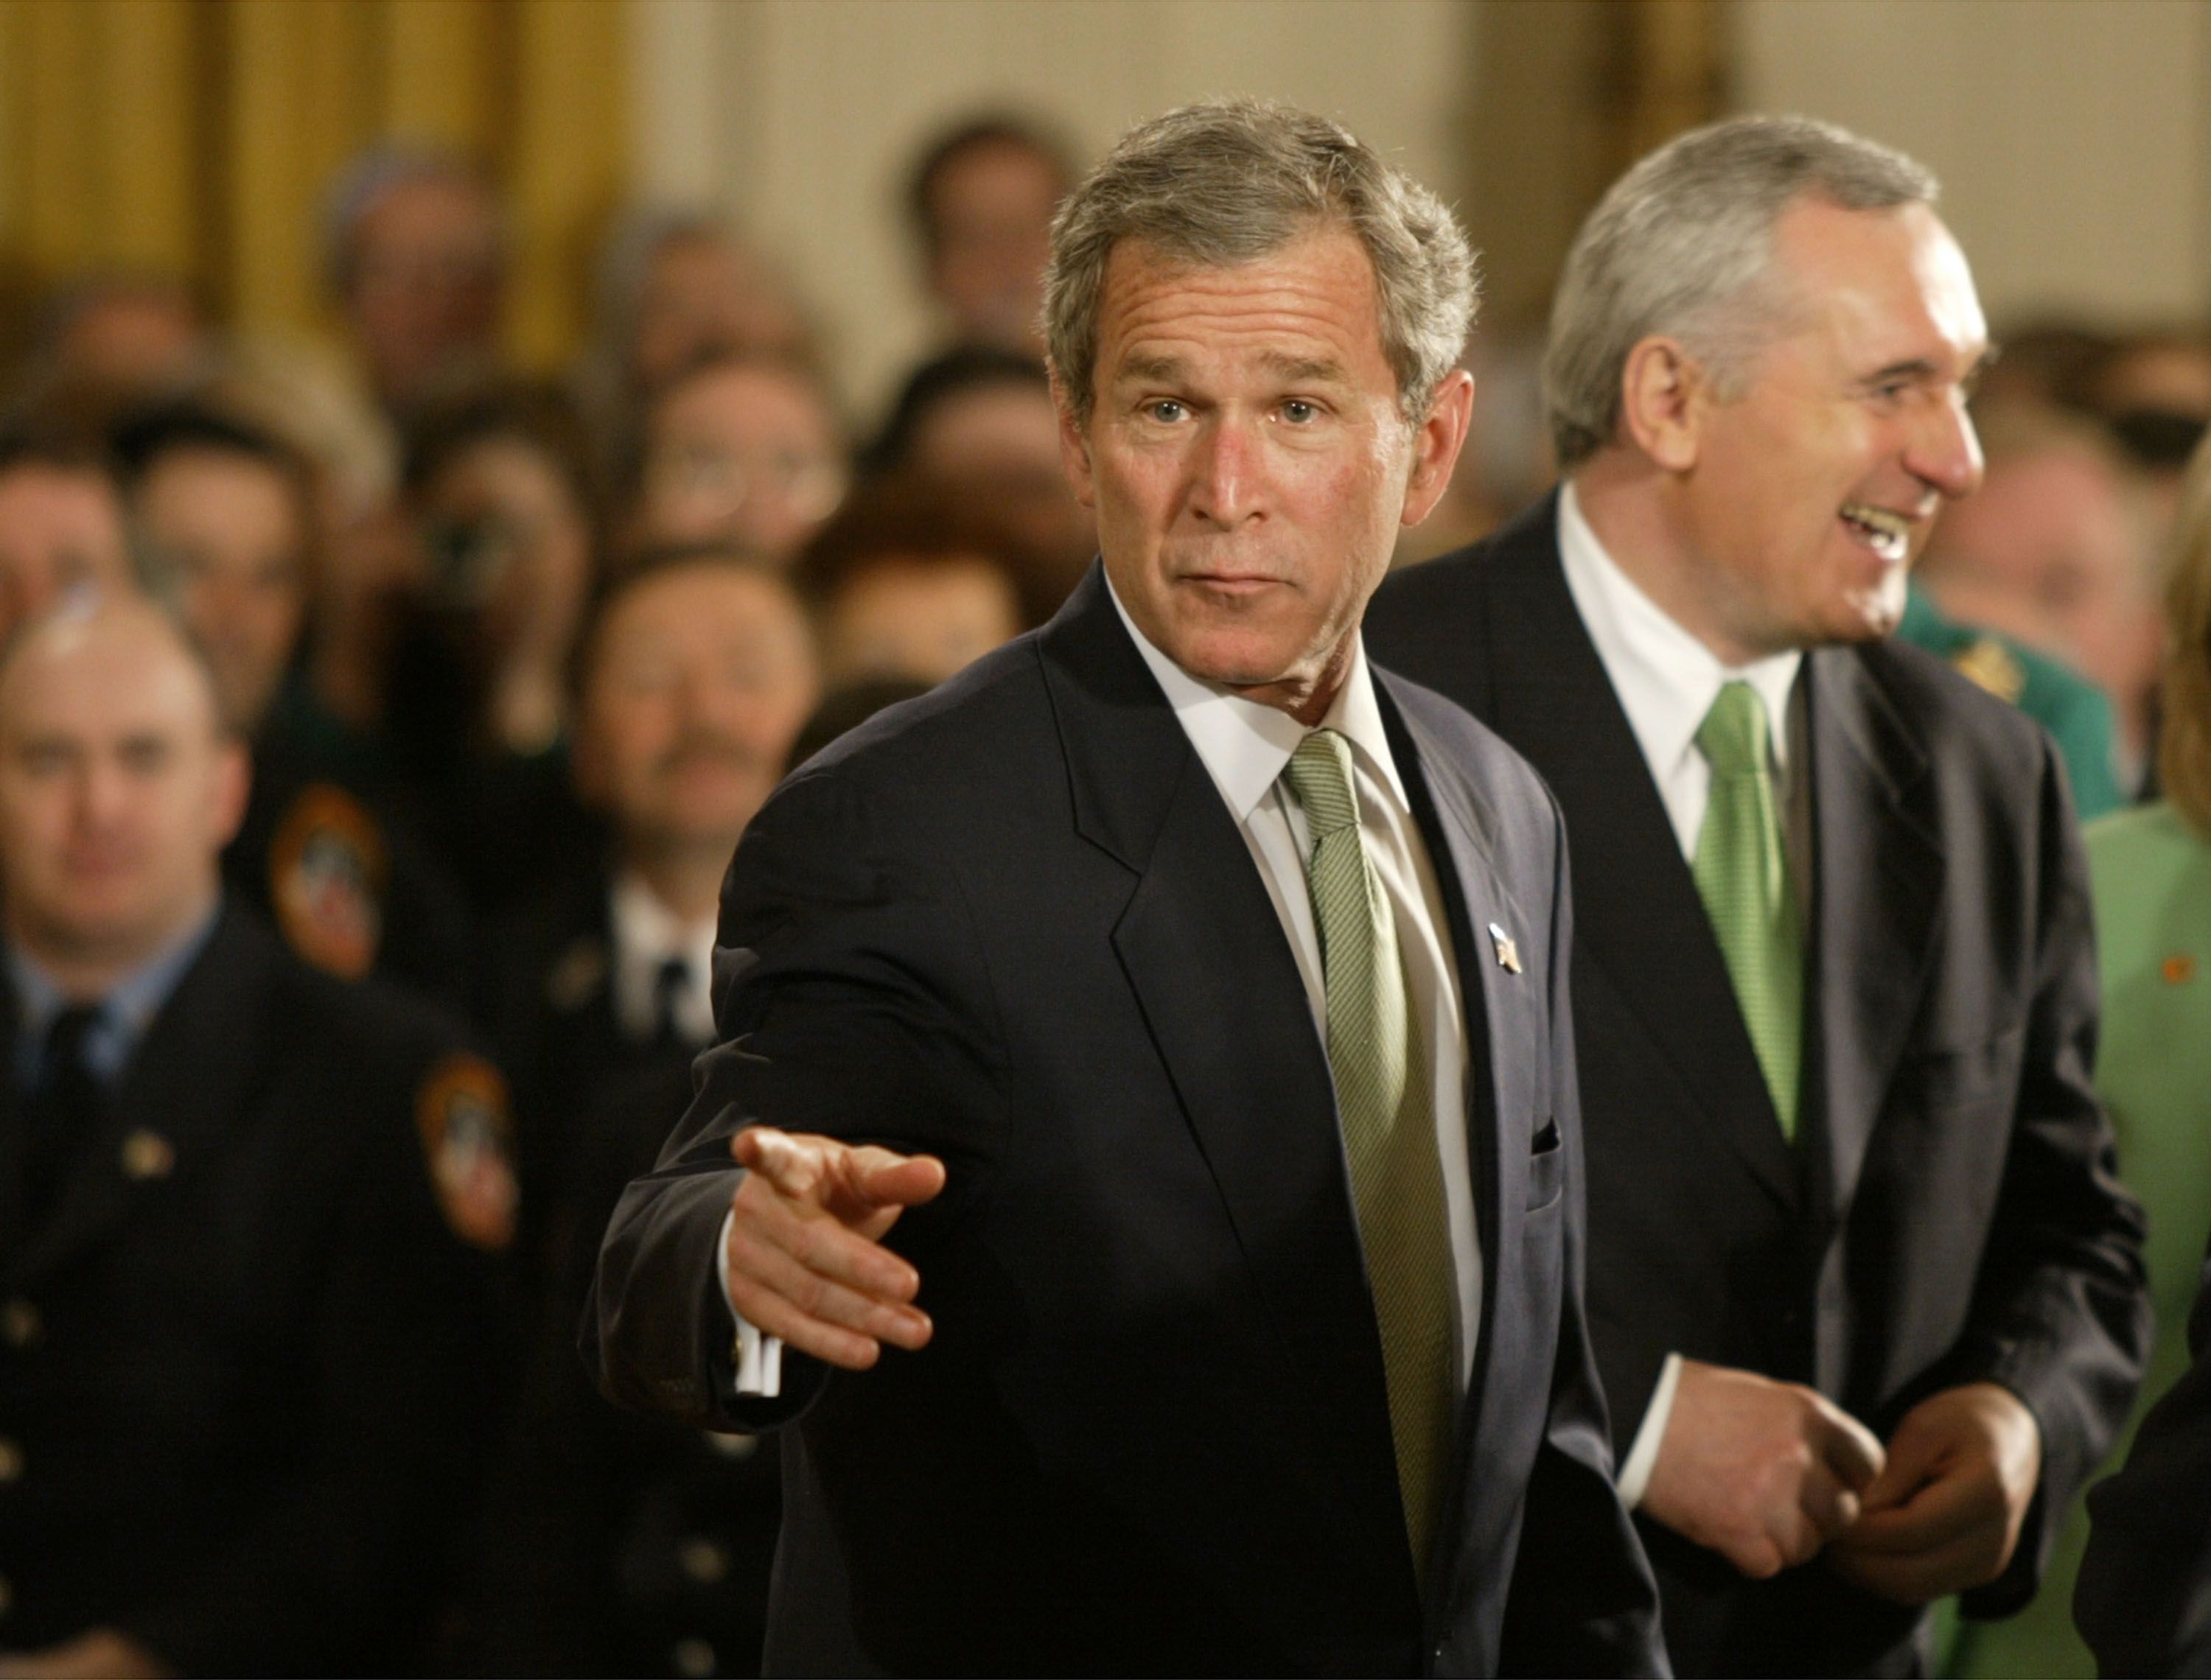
<point>355,189</point>
<point>1683,245</point>
<point>1223,184</point>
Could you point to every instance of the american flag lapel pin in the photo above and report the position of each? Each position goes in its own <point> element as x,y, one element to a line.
<point>1508,954</point>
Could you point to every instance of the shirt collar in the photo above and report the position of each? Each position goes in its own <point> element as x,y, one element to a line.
<point>1243,744</point>
<point>130,1003</point>
<point>648,933</point>
<point>1667,680</point>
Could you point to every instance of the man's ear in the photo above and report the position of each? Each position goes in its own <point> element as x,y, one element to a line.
<point>1074,444</point>
<point>1664,396</point>
<point>233,785</point>
<point>1436,446</point>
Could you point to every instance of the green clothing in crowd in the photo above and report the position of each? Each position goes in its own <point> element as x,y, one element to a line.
<point>2073,709</point>
<point>2152,875</point>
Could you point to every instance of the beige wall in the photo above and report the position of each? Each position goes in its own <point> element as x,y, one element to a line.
<point>2070,134</point>
<point>802,115</point>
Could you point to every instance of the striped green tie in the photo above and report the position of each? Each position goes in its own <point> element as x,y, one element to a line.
<point>1741,871</point>
<point>1389,1126</point>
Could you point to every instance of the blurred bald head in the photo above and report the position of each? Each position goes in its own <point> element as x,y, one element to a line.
<point>120,787</point>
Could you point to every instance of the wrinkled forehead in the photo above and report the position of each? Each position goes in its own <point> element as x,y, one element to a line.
<point>1892,285</point>
<point>1310,299</point>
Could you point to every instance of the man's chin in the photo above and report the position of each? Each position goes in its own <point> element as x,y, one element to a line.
<point>1876,612</point>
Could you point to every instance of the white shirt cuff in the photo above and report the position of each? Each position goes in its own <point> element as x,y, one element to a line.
<point>759,1358</point>
<point>1642,1456</point>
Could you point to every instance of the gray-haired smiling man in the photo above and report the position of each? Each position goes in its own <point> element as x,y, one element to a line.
<point>1156,1200</point>
<point>1866,1297</point>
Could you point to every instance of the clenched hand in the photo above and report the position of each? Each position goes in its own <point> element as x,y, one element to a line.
<point>1763,1472</point>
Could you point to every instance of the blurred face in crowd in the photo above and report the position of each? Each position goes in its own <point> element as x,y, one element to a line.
<point>1002,442</point>
<point>60,529</point>
<point>130,341</point>
<point>698,680</point>
<point>919,616</point>
<point>743,453</point>
<point>423,288</point>
<point>1804,495</point>
<point>702,294</point>
<point>1247,461</point>
<point>508,542</point>
<point>119,788</point>
<point>2050,552</point>
<point>228,532</point>
<point>990,218</point>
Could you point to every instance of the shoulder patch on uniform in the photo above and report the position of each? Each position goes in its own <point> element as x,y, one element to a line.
<point>468,1136</point>
<point>1988,663</point>
<point>328,870</point>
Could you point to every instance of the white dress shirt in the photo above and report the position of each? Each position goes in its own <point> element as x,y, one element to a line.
<point>1667,680</point>
<point>647,936</point>
<point>1245,746</point>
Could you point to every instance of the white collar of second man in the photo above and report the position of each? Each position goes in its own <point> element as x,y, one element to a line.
<point>1244,744</point>
<point>1667,680</point>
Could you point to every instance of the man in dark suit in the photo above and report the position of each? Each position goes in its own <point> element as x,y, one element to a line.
<point>613,1542</point>
<point>1222,980</point>
<point>1867,1299</point>
<point>241,1352</point>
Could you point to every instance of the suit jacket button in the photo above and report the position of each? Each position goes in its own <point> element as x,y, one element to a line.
<point>694,1658</point>
<point>20,1323</point>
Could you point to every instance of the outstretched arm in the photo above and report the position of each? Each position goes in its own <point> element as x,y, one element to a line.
<point>853,1079</point>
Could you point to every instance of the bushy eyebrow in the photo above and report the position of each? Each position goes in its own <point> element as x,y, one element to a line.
<point>1296,369</point>
<point>1918,367</point>
<point>1151,370</point>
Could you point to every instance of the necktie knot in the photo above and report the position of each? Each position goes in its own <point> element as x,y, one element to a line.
<point>66,1035</point>
<point>1320,774</point>
<point>671,985</point>
<point>1732,737</point>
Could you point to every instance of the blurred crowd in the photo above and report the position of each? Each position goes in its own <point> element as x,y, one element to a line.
<point>517,660</point>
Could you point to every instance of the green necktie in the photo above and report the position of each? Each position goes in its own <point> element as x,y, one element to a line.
<point>1388,1126</point>
<point>1741,871</point>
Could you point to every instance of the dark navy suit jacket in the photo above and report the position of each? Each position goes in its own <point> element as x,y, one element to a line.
<point>1013,924</point>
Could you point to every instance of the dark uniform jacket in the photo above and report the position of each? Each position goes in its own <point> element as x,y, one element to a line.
<point>2143,1602</point>
<point>1014,923</point>
<point>1949,1213</point>
<point>617,1542</point>
<point>240,1366</point>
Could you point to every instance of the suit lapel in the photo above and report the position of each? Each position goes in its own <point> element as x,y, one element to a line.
<point>1212,968</point>
<point>1503,1013</point>
<point>158,1128</point>
<point>1639,922</point>
<point>1880,871</point>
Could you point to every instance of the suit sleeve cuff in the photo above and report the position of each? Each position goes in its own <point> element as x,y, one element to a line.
<point>1643,1455</point>
<point>758,1357</point>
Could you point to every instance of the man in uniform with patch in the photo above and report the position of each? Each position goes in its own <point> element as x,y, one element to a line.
<point>618,1544</point>
<point>328,847</point>
<point>244,1315</point>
